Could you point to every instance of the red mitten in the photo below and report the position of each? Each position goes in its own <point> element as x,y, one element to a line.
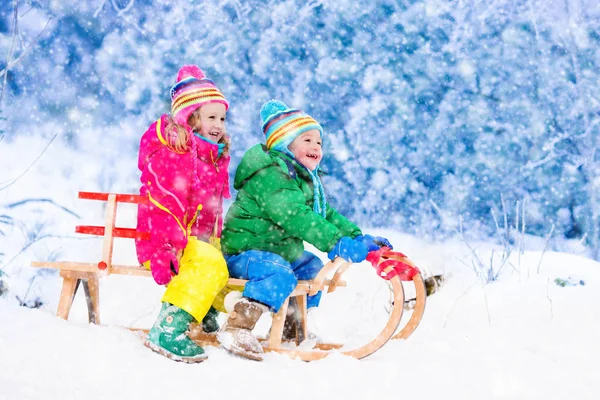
<point>164,265</point>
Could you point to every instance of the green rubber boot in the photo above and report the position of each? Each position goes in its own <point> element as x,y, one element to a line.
<point>209,323</point>
<point>168,336</point>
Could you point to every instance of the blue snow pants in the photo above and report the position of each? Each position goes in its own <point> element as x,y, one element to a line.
<point>271,278</point>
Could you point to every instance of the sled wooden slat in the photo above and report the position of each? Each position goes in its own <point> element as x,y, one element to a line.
<point>301,301</point>
<point>324,272</point>
<point>68,293</point>
<point>117,232</point>
<point>93,268</point>
<point>420,296</point>
<point>108,241</point>
<point>141,271</point>
<point>302,287</point>
<point>120,198</point>
<point>335,281</point>
<point>418,311</point>
<point>87,274</point>
<point>210,339</point>
<point>277,326</point>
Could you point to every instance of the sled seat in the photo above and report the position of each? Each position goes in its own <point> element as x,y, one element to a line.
<point>87,274</point>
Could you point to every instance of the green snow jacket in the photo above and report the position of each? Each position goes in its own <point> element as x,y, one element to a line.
<point>273,210</point>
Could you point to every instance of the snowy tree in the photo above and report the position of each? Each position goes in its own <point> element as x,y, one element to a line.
<point>433,110</point>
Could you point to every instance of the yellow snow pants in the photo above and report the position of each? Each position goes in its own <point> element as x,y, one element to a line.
<point>202,275</point>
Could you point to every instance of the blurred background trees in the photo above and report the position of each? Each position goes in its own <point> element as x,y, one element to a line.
<point>433,110</point>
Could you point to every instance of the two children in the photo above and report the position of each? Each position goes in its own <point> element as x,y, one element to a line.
<point>280,204</point>
<point>184,162</point>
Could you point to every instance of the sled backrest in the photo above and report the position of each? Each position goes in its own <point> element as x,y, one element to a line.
<point>109,231</point>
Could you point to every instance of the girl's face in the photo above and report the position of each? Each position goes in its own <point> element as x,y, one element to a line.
<point>211,124</point>
<point>306,148</point>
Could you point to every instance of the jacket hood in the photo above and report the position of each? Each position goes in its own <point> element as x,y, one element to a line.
<point>258,157</point>
<point>254,160</point>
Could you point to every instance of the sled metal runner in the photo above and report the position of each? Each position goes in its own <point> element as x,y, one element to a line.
<point>392,266</point>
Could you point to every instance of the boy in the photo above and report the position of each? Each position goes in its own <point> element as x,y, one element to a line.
<point>279,205</point>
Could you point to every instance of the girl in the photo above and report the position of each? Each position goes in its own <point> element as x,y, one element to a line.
<point>184,162</point>
<point>281,203</point>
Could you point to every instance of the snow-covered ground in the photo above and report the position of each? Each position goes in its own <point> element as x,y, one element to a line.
<point>520,337</point>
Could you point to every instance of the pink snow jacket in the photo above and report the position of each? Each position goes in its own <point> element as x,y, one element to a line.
<point>185,192</point>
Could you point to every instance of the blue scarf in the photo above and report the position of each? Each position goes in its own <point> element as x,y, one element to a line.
<point>220,145</point>
<point>319,199</point>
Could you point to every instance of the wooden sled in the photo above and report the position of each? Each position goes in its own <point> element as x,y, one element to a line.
<point>392,266</point>
<point>396,267</point>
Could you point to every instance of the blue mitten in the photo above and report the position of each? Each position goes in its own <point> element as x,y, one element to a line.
<point>349,250</point>
<point>373,242</point>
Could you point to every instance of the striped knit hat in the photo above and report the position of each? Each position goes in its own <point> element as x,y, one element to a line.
<point>191,92</point>
<point>281,124</point>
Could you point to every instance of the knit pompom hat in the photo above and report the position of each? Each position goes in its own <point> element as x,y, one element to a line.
<point>281,124</point>
<point>191,92</point>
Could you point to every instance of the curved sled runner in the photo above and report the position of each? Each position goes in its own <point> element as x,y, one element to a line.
<point>392,266</point>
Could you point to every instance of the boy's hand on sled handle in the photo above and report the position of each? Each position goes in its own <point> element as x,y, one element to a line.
<point>350,250</point>
<point>374,242</point>
<point>164,265</point>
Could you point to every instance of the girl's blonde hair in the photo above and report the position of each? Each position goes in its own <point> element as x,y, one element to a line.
<point>178,138</point>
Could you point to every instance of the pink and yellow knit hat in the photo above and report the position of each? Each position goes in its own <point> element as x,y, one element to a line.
<point>191,92</point>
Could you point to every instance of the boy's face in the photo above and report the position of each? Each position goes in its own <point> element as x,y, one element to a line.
<point>212,121</point>
<point>306,148</point>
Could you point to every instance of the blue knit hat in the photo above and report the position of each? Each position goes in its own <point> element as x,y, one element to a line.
<point>281,124</point>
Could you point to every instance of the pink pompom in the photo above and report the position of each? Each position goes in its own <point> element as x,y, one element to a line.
<point>190,70</point>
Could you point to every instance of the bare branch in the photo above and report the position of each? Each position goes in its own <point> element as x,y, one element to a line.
<point>476,262</point>
<point>10,63</point>
<point>32,242</point>
<point>522,240</point>
<point>455,301</point>
<point>549,298</point>
<point>308,7</point>
<point>22,202</point>
<point>31,165</point>
<point>506,227</point>
<point>545,247</point>
<point>100,7</point>
<point>498,228</point>
<point>17,60</point>
<point>22,302</point>
<point>241,10</point>
<point>532,165</point>
<point>121,11</point>
<point>26,12</point>
<point>11,51</point>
